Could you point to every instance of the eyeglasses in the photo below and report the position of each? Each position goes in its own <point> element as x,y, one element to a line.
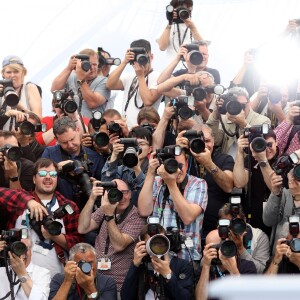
<point>269,144</point>
<point>43,173</point>
<point>125,192</point>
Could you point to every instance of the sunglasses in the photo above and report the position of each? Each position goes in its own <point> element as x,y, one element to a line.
<point>269,145</point>
<point>44,173</point>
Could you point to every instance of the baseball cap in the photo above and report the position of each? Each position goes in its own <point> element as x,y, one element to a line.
<point>11,59</point>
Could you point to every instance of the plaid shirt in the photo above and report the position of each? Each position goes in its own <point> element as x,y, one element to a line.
<point>282,132</point>
<point>16,203</point>
<point>195,192</point>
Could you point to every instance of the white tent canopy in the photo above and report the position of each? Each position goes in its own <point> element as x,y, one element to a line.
<point>46,33</point>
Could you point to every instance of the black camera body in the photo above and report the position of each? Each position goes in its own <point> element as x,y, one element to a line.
<point>11,152</point>
<point>195,56</point>
<point>140,56</point>
<point>176,239</point>
<point>13,237</point>
<point>114,127</point>
<point>113,194</point>
<point>131,151</point>
<point>63,102</point>
<point>255,135</point>
<point>237,225</point>
<point>28,128</point>
<point>148,127</point>
<point>181,107</point>
<point>85,61</point>
<point>294,243</point>
<point>230,105</point>
<point>182,13</point>
<point>196,140</point>
<point>9,93</point>
<point>166,156</point>
<point>53,227</point>
<point>85,266</point>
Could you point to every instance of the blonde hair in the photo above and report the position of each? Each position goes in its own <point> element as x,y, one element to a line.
<point>15,67</point>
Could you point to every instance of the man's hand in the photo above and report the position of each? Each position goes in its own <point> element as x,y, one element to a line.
<point>19,115</point>
<point>239,119</point>
<point>140,70</point>
<point>46,234</point>
<point>238,240</point>
<point>281,249</point>
<point>276,183</point>
<point>86,140</point>
<point>153,164</point>
<point>209,253</point>
<point>72,63</point>
<point>62,163</point>
<point>117,149</point>
<point>294,258</point>
<point>162,266</point>
<point>194,79</point>
<point>168,112</point>
<point>242,143</point>
<point>86,281</point>
<point>139,253</point>
<point>70,271</point>
<point>182,141</point>
<point>129,56</point>
<point>2,244</point>
<point>165,176</point>
<point>36,210</point>
<point>229,263</point>
<point>108,208</point>
<point>182,52</point>
<point>204,158</point>
<point>259,156</point>
<point>23,140</point>
<point>18,264</point>
<point>97,191</point>
<point>80,73</point>
<point>10,167</point>
<point>123,125</point>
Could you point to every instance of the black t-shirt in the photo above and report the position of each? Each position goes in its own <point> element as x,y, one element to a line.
<point>213,72</point>
<point>284,267</point>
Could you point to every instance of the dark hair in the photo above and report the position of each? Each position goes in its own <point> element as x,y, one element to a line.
<point>44,163</point>
<point>176,3</point>
<point>34,116</point>
<point>270,134</point>
<point>144,231</point>
<point>141,133</point>
<point>141,43</point>
<point>150,113</point>
<point>110,113</point>
<point>225,210</point>
<point>62,125</point>
<point>7,134</point>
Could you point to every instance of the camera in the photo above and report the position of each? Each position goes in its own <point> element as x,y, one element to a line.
<point>149,127</point>
<point>181,107</point>
<point>176,239</point>
<point>255,136</point>
<point>182,12</point>
<point>53,227</point>
<point>84,266</point>
<point>113,194</point>
<point>13,237</point>
<point>284,164</point>
<point>11,152</point>
<point>114,127</point>
<point>294,243</point>
<point>141,56</point>
<point>230,105</point>
<point>10,95</point>
<point>296,120</point>
<point>28,128</point>
<point>166,156</point>
<point>196,140</point>
<point>297,21</point>
<point>194,54</point>
<point>85,61</point>
<point>62,101</point>
<point>237,225</point>
<point>81,177</point>
<point>131,151</point>
<point>199,93</point>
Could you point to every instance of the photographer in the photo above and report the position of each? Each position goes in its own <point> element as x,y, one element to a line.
<point>90,92</point>
<point>134,176</point>
<point>34,281</point>
<point>26,96</point>
<point>233,266</point>
<point>70,150</point>
<point>139,87</point>
<point>81,279</point>
<point>50,249</point>
<point>287,132</point>
<point>179,30</point>
<point>259,165</point>
<point>170,267</point>
<point>282,202</point>
<point>215,168</point>
<point>15,171</point>
<point>178,200</point>
<point>233,124</point>
<point>118,224</point>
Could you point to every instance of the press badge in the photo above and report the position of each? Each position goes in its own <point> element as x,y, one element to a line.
<point>39,249</point>
<point>189,242</point>
<point>104,263</point>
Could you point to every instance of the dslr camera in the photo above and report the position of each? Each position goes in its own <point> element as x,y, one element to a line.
<point>113,194</point>
<point>131,152</point>
<point>13,153</point>
<point>196,140</point>
<point>181,106</point>
<point>296,120</point>
<point>255,135</point>
<point>85,61</point>
<point>194,54</point>
<point>230,105</point>
<point>166,156</point>
<point>237,225</point>
<point>28,128</point>
<point>84,266</point>
<point>182,13</point>
<point>10,95</point>
<point>294,243</point>
<point>109,61</point>
<point>63,102</point>
<point>53,227</point>
<point>140,56</point>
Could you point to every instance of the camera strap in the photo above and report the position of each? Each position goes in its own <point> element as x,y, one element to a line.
<point>295,129</point>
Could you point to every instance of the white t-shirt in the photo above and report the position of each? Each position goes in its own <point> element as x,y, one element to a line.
<point>136,101</point>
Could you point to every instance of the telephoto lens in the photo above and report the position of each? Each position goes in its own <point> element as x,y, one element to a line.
<point>158,245</point>
<point>84,266</point>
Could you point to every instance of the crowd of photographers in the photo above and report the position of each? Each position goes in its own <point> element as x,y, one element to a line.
<point>101,204</point>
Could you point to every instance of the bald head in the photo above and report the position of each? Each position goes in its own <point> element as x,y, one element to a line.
<point>213,237</point>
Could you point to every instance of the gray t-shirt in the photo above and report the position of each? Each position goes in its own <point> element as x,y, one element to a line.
<point>97,85</point>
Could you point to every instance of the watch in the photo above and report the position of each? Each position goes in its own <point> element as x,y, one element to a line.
<point>81,82</point>
<point>168,276</point>
<point>93,295</point>
<point>108,218</point>
<point>263,163</point>
<point>14,179</point>
<point>23,278</point>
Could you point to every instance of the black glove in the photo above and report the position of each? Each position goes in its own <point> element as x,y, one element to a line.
<point>169,16</point>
